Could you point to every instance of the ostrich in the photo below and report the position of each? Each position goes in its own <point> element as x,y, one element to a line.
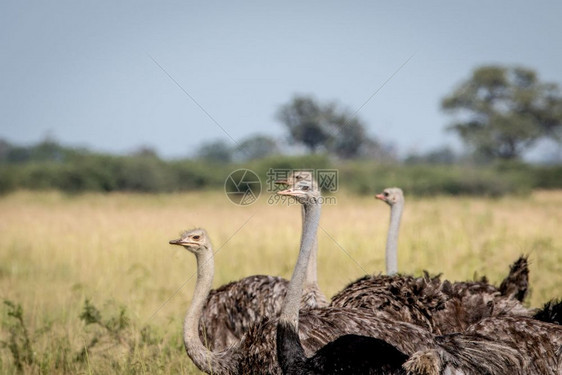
<point>255,352</point>
<point>348,354</point>
<point>399,297</point>
<point>440,307</point>
<point>486,348</point>
<point>515,285</point>
<point>312,295</point>
<point>234,307</point>
<point>395,199</point>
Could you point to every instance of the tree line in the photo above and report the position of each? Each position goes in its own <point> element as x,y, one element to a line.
<point>51,166</point>
<point>499,113</point>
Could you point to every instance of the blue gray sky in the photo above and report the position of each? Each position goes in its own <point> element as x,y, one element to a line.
<point>87,74</point>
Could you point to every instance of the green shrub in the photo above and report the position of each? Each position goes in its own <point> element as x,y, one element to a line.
<point>76,171</point>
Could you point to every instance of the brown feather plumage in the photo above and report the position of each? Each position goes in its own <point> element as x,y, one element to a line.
<point>440,307</point>
<point>494,346</point>
<point>516,284</point>
<point>399,297</point>
<point>235,307</point>
<point>318,327</point>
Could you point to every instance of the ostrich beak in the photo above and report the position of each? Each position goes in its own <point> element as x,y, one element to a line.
<point>175,242</point>
<point>286,192</point>
<point>380,196</point>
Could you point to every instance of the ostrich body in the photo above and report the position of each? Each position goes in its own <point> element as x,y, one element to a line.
<point>233,308</point>
<point>402,298</point>
<point>254,353</point>
<point>440,307</point>
<point>467,302</point>
<point>540,342</point>
<point>496,345</point>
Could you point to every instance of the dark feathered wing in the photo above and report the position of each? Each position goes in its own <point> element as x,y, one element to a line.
<point>538,341</point>
<point>551,312</point>
<point>440,307</point>
<point>318,327</point>
<point>516,284</point>
<point>356,354</point>
<point>470,302</point>
<point>494,346</point>
<point>402,298</point>
<point>235,307</point>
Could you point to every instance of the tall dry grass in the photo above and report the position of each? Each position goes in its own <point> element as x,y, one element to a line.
<point>56,251</point>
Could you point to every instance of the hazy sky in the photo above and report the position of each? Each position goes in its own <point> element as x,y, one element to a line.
<point>84,73</point>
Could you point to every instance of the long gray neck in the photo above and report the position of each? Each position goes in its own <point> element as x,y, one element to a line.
<point>206,360</point>
<point>392,238</point>
<point>311,278</point>
<point>291,304</point>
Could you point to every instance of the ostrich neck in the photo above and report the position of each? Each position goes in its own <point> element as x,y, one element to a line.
<point>291,304</point>
<point>311,278</point>
<point>206,360</point>
<point>392,238</point>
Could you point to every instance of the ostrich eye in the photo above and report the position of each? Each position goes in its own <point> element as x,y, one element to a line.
<point>386,194</point>
<point>196,237</point>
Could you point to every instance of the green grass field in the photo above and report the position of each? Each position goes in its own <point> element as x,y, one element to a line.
<point>58,251</point>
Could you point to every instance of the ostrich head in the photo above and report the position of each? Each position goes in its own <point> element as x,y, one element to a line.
<point>391,196</point>
<point>194,240</point>
<point>304,191</point>
<point>294,177</point>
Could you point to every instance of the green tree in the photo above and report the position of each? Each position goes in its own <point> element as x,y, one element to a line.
<point>504,111</point>
<point>215,151</point>
<point>307,122</point>
<point>324,125</point>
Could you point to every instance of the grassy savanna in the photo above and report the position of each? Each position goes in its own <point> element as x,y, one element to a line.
<point>57,251</point>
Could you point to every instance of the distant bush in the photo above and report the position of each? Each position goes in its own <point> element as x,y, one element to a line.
<point>262,166</point>
<point>50,166</point>
<point>548,177</point>
<point>195,175</point>
<point>425,179</point>
<point>8,181</point>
